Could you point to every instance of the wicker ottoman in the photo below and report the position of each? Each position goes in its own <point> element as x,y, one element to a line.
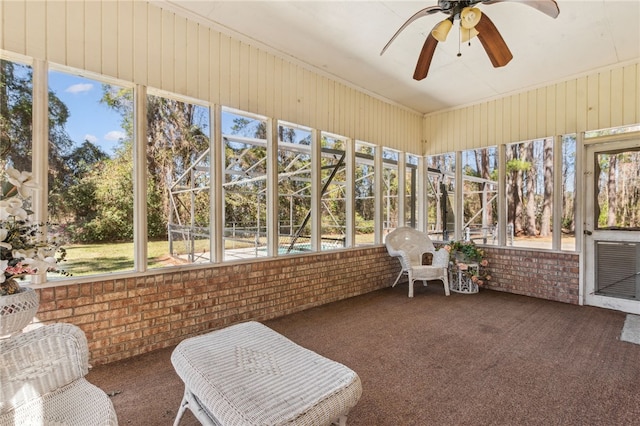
<point>247,374</point>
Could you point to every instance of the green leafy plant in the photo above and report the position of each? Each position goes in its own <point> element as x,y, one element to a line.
<point>463,253</point>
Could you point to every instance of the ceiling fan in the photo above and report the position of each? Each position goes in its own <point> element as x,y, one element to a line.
<point>472,23</point>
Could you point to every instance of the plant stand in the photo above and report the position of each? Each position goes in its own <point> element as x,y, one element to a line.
<point>461,283</point>
<point>17,311</point>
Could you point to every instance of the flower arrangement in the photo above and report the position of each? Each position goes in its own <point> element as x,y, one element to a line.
<point>461,253</point>
<point>24,249</point>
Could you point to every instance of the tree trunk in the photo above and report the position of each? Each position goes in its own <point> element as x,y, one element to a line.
<point>612,196</point>
<point>531,228</point>
<point>547,202</point>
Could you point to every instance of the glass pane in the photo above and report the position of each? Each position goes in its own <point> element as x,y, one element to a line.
<point>177,182</point>
<point>333,204</point>
<point>411,191</point>
<point>529,192</point>
<point>568,238</point>
<point>91,173</point>
<point>480,195</point>
<point>440,199</point>
<point>617,190</point>
<point>245,186</point>
<point>389,190</point>
<point>365,193</point>
<point>294,189</point>
<point>16,94</point>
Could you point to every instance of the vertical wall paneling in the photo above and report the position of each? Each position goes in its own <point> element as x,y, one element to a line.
<point>181,51</point>
<point>55,32</point>
<point>140,43</point>
<point>36,29</point>
<point>154,47</point>
<point>192,61</point>
<point>540,115</point>
<point>304,80</point>
<point>523,117</point>
<point>167,50</point>
<point>224,65</point>
<point>631,97</point>
<point>75,34</point>
<point>593,91</point>
<point>506,119</point>
<point>560,112</point>
<point>498,123</point>
<point>277,88</point>
<point>265,78</point>
<point>571,105</point>
<point>92,36</point>
<point>285,92</point>
<point>548,115</point>
<point>604,94</point>
<point>109,38</point>
<point>531,115</point>
<point>125,40</point>
<point>246,75</point>
<point>213,72</point>
<point>234,73</point>
<point>203,63</point>
<point>14,26</point>
<point>617,96</point>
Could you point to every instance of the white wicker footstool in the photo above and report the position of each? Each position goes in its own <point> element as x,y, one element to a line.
<point>247,374</point>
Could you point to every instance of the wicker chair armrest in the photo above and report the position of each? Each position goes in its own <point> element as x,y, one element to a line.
<point>40,361</point>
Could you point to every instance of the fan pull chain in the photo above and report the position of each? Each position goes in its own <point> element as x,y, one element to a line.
<point>459,42</point>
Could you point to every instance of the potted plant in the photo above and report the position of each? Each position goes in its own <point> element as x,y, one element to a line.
<point>24,250</point>
<point>462,254</point>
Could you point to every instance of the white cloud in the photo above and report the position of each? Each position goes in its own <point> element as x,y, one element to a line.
<point>115,135</point>
<point>90,138</point>
<point>79,88</point>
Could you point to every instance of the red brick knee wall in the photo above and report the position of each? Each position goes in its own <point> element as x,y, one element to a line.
<point>123,317</point>
<point>536,273</point>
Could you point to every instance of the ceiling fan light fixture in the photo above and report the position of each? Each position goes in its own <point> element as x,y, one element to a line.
<point>469,17</point>
<point>441,30</point>
<point>467,34</point>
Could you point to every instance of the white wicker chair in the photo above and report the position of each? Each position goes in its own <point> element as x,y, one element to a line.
<point>409,245</point>
<point>42,380</point>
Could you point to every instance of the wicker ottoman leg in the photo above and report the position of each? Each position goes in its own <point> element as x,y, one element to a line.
<point>183,407</point>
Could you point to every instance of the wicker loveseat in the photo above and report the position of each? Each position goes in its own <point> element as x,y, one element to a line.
<point>42,380</point>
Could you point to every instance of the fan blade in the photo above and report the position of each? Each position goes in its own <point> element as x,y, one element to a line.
<point>493,42</point>
<point>424,60</point>
<point>548,7</point>
<point>419,14</point>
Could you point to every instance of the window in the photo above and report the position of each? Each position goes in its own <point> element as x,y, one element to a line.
<point>440,197</point>
<point>294,189</point>
<point>91,173</point>
<point>568,240</point>
<point>480,195</point>
<point>333,198</point>
<point>177,182</point>
<point>389,190</point>
<point>245,186</point>
<point>365,193</point>
<point>411,191</point>
<point>529,192</point>
<point>16,93</point>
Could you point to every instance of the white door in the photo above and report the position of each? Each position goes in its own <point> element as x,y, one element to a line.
<point>611,260</point>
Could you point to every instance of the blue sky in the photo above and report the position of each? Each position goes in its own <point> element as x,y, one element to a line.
<point>88,118</point>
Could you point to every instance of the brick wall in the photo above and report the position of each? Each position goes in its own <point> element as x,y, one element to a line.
<point>126,317</point>
<point>536,273</point>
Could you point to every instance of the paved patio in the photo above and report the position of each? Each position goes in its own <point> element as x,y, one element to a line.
<point>486,359</point>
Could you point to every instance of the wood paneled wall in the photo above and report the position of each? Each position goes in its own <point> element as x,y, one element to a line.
<point>604,99</point>
<point>134,41</point>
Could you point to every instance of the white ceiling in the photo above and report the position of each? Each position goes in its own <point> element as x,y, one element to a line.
<point>343,39</point>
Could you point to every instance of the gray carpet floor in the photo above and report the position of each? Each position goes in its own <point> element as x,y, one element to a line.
<point>486,359</point>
